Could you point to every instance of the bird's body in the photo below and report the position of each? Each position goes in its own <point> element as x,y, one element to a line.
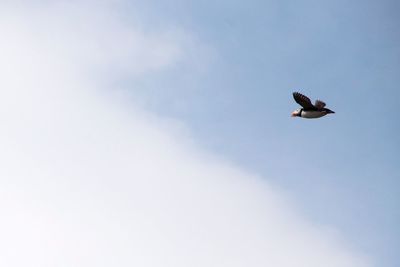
<point>311,114</point>
<point>308,110</point>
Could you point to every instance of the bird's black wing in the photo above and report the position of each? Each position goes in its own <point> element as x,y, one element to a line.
<point>319,104</point>
<point>303,101</point>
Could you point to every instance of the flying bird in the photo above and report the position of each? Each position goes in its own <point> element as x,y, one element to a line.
<point>308,110</point>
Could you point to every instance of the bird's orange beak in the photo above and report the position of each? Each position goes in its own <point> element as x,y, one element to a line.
<point>294,114</point>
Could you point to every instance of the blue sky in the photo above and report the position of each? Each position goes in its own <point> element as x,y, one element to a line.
<point>164,126</point>
<point>342,169</point>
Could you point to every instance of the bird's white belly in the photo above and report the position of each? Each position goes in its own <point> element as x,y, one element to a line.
<point>312,114</point>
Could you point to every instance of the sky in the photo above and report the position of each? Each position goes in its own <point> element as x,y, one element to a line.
<point>155,133</point>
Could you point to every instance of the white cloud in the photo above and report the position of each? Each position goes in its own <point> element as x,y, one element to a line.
<point>85,181</point>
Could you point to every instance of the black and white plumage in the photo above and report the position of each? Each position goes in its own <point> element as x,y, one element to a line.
<point>309,110</point>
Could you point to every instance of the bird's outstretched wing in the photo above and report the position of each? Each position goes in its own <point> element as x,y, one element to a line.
<point>303,101</point>
<point>319,104</point>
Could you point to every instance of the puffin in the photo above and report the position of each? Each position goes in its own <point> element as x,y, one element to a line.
<point>308,110</point>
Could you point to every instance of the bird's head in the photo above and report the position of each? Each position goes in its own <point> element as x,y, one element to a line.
<point>296,113</point>
<point>328,111</point>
